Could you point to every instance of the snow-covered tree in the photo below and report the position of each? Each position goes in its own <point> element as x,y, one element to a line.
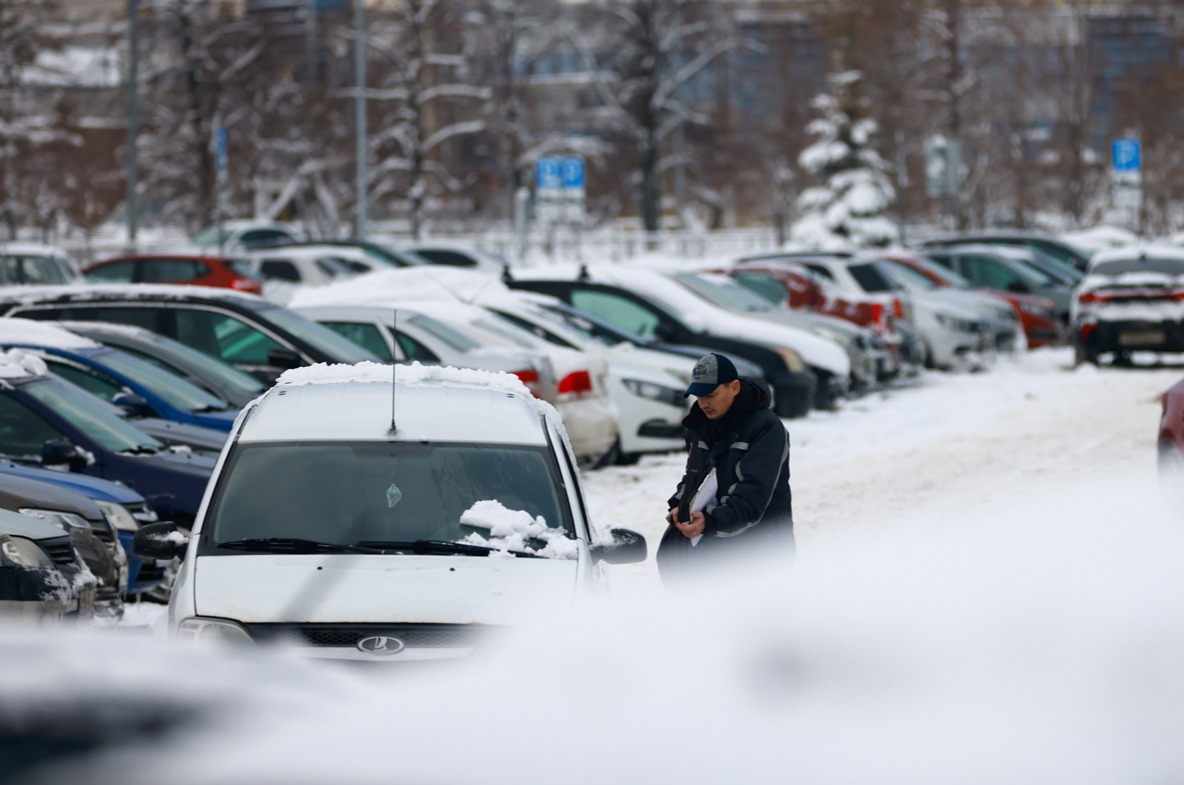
<point>659,48</point>
<point>423,100</point>
<point>849,205</point>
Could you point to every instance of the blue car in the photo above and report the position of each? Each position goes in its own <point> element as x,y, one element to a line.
<point>124,509</point>
<point>119,377</point>
<point>49,422</point>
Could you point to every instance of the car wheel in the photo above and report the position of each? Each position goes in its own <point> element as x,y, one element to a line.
<point>1084,354</point>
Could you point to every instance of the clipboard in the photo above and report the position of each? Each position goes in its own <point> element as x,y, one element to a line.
<point>704,496</point>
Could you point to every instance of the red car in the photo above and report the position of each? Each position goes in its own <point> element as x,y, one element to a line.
<point>175,268</point>
<point>1037,314</point>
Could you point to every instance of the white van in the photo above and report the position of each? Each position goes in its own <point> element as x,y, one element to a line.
<point>360,518</point>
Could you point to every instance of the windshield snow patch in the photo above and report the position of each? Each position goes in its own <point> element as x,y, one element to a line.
<point>510,530</point>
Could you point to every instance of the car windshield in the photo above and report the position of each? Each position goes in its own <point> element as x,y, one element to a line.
<point>724,291</point>
<point>349,494</point>
<point>169,387</point>
<point>911,277</point>
<point>453,337</point>
<point>91,415</point>
<point>1139,265</point>
<point>954,279</point>
<point>212,235</point>
<point>606,333</point>
<point>318,336</point>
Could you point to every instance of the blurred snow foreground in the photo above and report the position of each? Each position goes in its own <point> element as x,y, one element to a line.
<point>1014,645</point>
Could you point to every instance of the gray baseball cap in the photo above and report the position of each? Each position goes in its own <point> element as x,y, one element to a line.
<point>710,372</point>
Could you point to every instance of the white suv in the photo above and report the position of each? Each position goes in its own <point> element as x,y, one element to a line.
<point>362,519</point>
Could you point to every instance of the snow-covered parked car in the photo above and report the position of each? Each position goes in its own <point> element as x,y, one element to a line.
<point>361,517</point>
<point>1132,299</point>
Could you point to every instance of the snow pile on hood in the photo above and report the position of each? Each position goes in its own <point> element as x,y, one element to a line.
<point>510,529</point>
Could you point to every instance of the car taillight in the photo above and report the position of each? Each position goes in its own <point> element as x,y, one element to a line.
<point>897,308</point>
<point>1178,294</point>
<point>576,384</point>
<point>878,317</point>
<point>246,285</point>
<point>1086,298</point>
<point>1087,330</point>
<point>530,377</point>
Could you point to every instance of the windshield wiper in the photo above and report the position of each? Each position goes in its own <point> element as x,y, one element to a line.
<point>439,547</point>
<point>292,545</point>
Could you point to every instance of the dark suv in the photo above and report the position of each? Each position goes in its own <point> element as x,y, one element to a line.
<point>253,334</point>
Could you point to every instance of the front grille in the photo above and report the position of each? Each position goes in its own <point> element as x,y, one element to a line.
<point>60,549</point>
<point>347,635</point>
<point>103,530</point>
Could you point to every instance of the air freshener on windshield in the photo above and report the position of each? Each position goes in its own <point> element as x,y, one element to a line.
<point>393,495</point>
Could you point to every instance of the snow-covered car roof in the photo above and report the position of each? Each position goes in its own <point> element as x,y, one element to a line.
<point>92,291</point>
<point>1134,252</point>
<point>8,247</point>
<point>19,364</point>
<point>358,402</point>
<point>38,333</point>
<point>381,286</point>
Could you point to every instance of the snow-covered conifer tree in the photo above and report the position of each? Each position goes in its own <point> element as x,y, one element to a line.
<point>848,206</point>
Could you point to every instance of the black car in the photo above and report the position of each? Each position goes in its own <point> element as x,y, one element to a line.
<point>210,373</point>
<point>794,385</point>
<point>246,331</point>
<point>42,578</point>
<point>93,536</point>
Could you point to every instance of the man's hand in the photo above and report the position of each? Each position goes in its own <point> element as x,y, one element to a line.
<point>693,528</point>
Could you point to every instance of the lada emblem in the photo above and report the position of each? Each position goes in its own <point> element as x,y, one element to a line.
<point>381,645</point>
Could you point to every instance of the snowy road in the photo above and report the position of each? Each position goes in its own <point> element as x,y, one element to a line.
<point>1032,426</point>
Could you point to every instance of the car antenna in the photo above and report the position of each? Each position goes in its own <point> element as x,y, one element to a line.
<point>394,365</point>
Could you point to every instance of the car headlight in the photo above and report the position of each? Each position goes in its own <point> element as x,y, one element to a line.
<point>792,360</point>
<point>119,516</point>
<point>655,392</point>
<point>66,521</point>
<point>142,512</point>
<point>955,323</point>
<point>206,631</point>
<point>23,552</point>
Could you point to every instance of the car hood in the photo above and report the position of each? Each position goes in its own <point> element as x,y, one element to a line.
<point>170,432</point>
<point>360,588</point>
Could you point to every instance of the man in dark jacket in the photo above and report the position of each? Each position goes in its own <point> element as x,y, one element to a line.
<point>746,505</point>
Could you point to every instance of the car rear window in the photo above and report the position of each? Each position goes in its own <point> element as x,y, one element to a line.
<point>871,279</point>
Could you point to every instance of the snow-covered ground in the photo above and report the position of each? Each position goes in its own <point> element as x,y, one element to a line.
<point>987,590</point>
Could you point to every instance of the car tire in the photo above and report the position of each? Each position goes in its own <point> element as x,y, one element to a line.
<point>1084,354</point>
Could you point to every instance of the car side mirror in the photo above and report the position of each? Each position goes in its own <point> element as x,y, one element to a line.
<point>281,357</point>
<point>620,546</point>
<point>163,541</point>
<point>63,452</point>
<point>133,403</point>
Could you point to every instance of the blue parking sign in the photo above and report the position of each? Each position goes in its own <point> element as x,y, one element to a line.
<point>548,174</point>
<point>573,172</point>
<point>1126,155</point>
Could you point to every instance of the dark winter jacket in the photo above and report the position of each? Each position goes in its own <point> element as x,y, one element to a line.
<point>749,448</point>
